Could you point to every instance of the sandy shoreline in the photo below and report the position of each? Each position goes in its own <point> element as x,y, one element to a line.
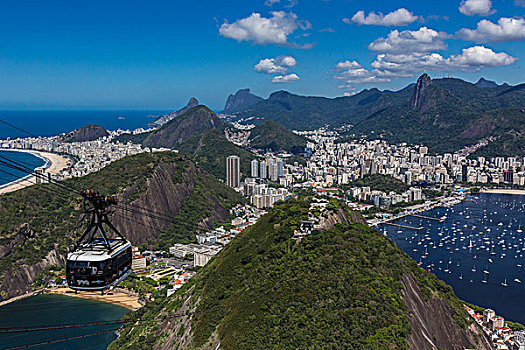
<point>56,164</point>
<point>503,191</point>
<point>117,297</point>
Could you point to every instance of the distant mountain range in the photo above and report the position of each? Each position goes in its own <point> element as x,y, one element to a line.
<point>445,114</point>
<point>163,119</point>
<point>241,101</point>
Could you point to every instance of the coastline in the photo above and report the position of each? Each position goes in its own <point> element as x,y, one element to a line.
<point>54,165</point>
<point>118,297</point>
<point>503,191</point>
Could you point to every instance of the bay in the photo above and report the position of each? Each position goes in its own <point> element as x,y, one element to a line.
<point>8,174</point>
<point>51,309</point>
<point>484,236</point>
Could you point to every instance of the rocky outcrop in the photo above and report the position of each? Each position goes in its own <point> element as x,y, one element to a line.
<point>163,119</point>
<point>420,90</point>
<point>18,281</point>
<point>484,83</point>
<point>86,133</point>
<point>241,101</point>
<point>433,325</point>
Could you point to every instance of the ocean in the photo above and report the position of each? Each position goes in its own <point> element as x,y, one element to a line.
<point>477,249</point>
<point>51,123</point>
<point>8,174</point>
<point>51,309</point>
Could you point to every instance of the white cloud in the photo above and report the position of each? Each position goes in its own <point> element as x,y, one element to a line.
<point>476,7</point>
<point>422,40</point>
<point>279,65</point>
<point>477,57</point>
<point>285,78</point>
<point>344,65</point>
<point>519,3</point>
<point>262,30</point>
<point>507,29</point>
<point>291,3</point>
<point>391,66</point>
<point>399,17</point>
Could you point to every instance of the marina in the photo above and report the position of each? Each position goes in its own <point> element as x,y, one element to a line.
<point>476,246</point>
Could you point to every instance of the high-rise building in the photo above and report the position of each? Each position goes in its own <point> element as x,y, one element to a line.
<point>262,172</point>
<point>233,172</point>
<point>255,168</point>
<point>280,168</point>
<point>272,169</point>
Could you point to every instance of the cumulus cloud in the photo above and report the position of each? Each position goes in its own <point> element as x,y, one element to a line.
<point>262,30</point>
<point>507,29</point>
<point>422,40</point>
<point>285,78</point>
<point>391,66</point>
<point>279,65</point>
<point>477,57</point>
<point>399,17</point>
<point>344,65</point>
<point>476,7</point>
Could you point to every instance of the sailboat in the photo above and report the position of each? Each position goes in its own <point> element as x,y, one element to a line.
<point>517,280</point>
<point>474,268</point>
<point>504,284</point>
<point>461,276</point>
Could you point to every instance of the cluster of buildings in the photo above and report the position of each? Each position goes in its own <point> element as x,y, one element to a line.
<point>89,156</point>
<point>382,199</point>
<point>210,243</point>
<point>496,329</point>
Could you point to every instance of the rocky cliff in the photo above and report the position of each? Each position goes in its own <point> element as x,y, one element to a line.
<point>241,101</point>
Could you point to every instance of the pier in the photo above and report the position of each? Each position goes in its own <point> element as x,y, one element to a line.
<point>426,217</point>
<point>402,226</point>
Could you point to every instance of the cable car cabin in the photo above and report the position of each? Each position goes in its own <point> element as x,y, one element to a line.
<point>94,267</point>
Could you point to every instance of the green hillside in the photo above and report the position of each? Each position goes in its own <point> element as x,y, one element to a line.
<point>274,136</point>
<point>38,222</point>
<point>380,182</point>
<point>210,151</point>
<point>337,288</point>
<point>194,122</point>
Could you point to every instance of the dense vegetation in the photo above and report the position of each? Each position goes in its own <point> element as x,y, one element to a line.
<point>337,288</point>
<point>210,151</point>
<point>379,182</point>
<point>274,136</point>
<point>134,138</point>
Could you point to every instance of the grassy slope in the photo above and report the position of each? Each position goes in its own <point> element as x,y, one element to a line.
<point>338,288</point>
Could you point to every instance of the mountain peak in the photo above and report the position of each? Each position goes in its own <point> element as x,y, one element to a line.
<point>86,133</point>
<point>484,83</point>
<point>163,119</point>
<point>423,82</point>
<point>241,101</point>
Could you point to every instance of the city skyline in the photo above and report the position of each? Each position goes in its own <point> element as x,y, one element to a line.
<point>133,56</point>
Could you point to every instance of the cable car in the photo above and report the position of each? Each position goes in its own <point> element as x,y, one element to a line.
<point>98,263</point>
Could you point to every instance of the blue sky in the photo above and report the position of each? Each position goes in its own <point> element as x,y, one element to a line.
<point>157,54</point>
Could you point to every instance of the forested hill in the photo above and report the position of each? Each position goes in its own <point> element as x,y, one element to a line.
<point>274,136</point>
<point>441,113</point>
<point>85,133</point>
<point>38,222</point>
<point>344,286</point>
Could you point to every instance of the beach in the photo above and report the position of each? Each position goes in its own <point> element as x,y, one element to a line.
<point>56,163</point>
<point>117,296</point>
<point>503,191</point>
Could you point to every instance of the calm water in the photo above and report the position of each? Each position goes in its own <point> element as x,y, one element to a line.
<point>8,174</point>
<point>51,123</point>
<point>46,310</point>
<point>490,224</point>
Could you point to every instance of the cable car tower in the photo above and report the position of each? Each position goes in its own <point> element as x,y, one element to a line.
<point>98,262</point>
